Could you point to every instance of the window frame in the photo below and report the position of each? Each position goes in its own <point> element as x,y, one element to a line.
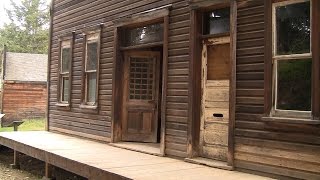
<point>66,41</point>
<point>276,58</point>
<point>92,35</point>
<point>269,114</point>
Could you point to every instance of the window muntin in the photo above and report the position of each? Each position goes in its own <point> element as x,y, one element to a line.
<point>64,71</point>
<point>292,56</point>
<point>141,82</point>
<point>217,21</point>
<point>91,68</point>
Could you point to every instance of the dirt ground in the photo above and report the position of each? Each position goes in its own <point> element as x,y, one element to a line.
<point>6,173</point>
<point>30,168</point>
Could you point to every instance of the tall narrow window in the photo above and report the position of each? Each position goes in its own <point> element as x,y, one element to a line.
<point>292,56</point>
<point>91,59</point>
<point>64,72</point>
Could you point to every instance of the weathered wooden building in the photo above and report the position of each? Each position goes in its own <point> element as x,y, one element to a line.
<point>227,83</point>
<point>23,86</point>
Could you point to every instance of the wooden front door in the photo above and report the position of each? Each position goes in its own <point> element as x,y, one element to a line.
<point>141,96</point>
<point>215,98</point>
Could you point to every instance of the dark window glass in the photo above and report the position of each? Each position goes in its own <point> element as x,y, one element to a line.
<point>293,28</point>
<point>92,85</point>
<point>92,56</point>
<point>65,89</point>
<point>217,21</point>
<point>294,85</point>
<point>65,61</point>
<point>145,34</point>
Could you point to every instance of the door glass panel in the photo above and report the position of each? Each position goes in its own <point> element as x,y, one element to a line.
<point>141,78</point>
<point>294,85</point>
<point>293,28</point>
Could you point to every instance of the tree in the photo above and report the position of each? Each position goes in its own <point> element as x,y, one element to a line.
<point>28,27</point>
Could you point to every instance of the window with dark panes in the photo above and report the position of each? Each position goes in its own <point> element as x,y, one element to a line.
<point>91,66</point>
<point>65,62</point>
<point>146,34</point>
<point>216,22</point>
<point>292,55</point>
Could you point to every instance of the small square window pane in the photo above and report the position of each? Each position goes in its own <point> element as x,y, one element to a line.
<point>92,56</point>
<point>92,86</point>
<point>293,28</point>
<point>217,21</point>
<point>65,60</point>
<point>65,89</point>
<point>294,85</point>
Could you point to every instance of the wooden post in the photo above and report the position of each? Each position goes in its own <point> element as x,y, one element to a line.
<point>15,164</point>
<point>48,171</point>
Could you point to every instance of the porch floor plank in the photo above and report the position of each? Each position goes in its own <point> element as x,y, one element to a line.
<point>96,160</point>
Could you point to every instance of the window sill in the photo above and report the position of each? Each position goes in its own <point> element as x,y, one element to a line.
<point>291,120</point>
<point>62,105</point>
<point>85,106</point>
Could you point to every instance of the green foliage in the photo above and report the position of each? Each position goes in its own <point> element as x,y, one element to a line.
<point>28,27</point>
<point>28,125</point>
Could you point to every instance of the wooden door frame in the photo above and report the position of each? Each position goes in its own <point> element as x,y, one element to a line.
<point>160,15</point>
<point>156,88</point>
<point>195,75</point>
<point>204,61</point>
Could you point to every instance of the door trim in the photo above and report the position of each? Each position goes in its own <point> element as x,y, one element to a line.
<point>117,79</point>
<point>141,106</point>
<point>195,77</point>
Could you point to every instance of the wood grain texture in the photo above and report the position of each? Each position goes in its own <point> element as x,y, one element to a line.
<point>280,149</point>
<point>23,101</point>
<point>69,16</point>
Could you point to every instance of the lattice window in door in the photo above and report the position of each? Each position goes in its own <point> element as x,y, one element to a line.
<point>141,82</point>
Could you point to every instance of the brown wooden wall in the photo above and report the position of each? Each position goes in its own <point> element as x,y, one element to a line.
<point>276,148</point>
<point>23,101</point>
<point>75,15</point>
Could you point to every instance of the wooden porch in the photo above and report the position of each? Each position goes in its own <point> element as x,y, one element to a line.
<point>95,160</point>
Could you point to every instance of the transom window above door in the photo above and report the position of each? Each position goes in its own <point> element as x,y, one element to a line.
<point>145,34</point>
<point>216,21</point>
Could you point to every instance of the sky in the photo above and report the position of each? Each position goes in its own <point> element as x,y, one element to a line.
<point>6,4</point>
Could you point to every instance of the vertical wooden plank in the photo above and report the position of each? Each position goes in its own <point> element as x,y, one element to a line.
<point>194,86</point>
<point>47,171</point>
<point>164,84</point>
<point>116,89</point>
<point>49,64</point>
<point>315,59</point>
<point>232,95</point>
<point>267,57</point>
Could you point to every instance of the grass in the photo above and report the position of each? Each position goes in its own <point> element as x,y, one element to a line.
<point>28,125</point>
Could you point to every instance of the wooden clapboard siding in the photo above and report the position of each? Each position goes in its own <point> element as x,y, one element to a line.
<point>274,148</point>
<point>77,15</point>
<point>23,100</point>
